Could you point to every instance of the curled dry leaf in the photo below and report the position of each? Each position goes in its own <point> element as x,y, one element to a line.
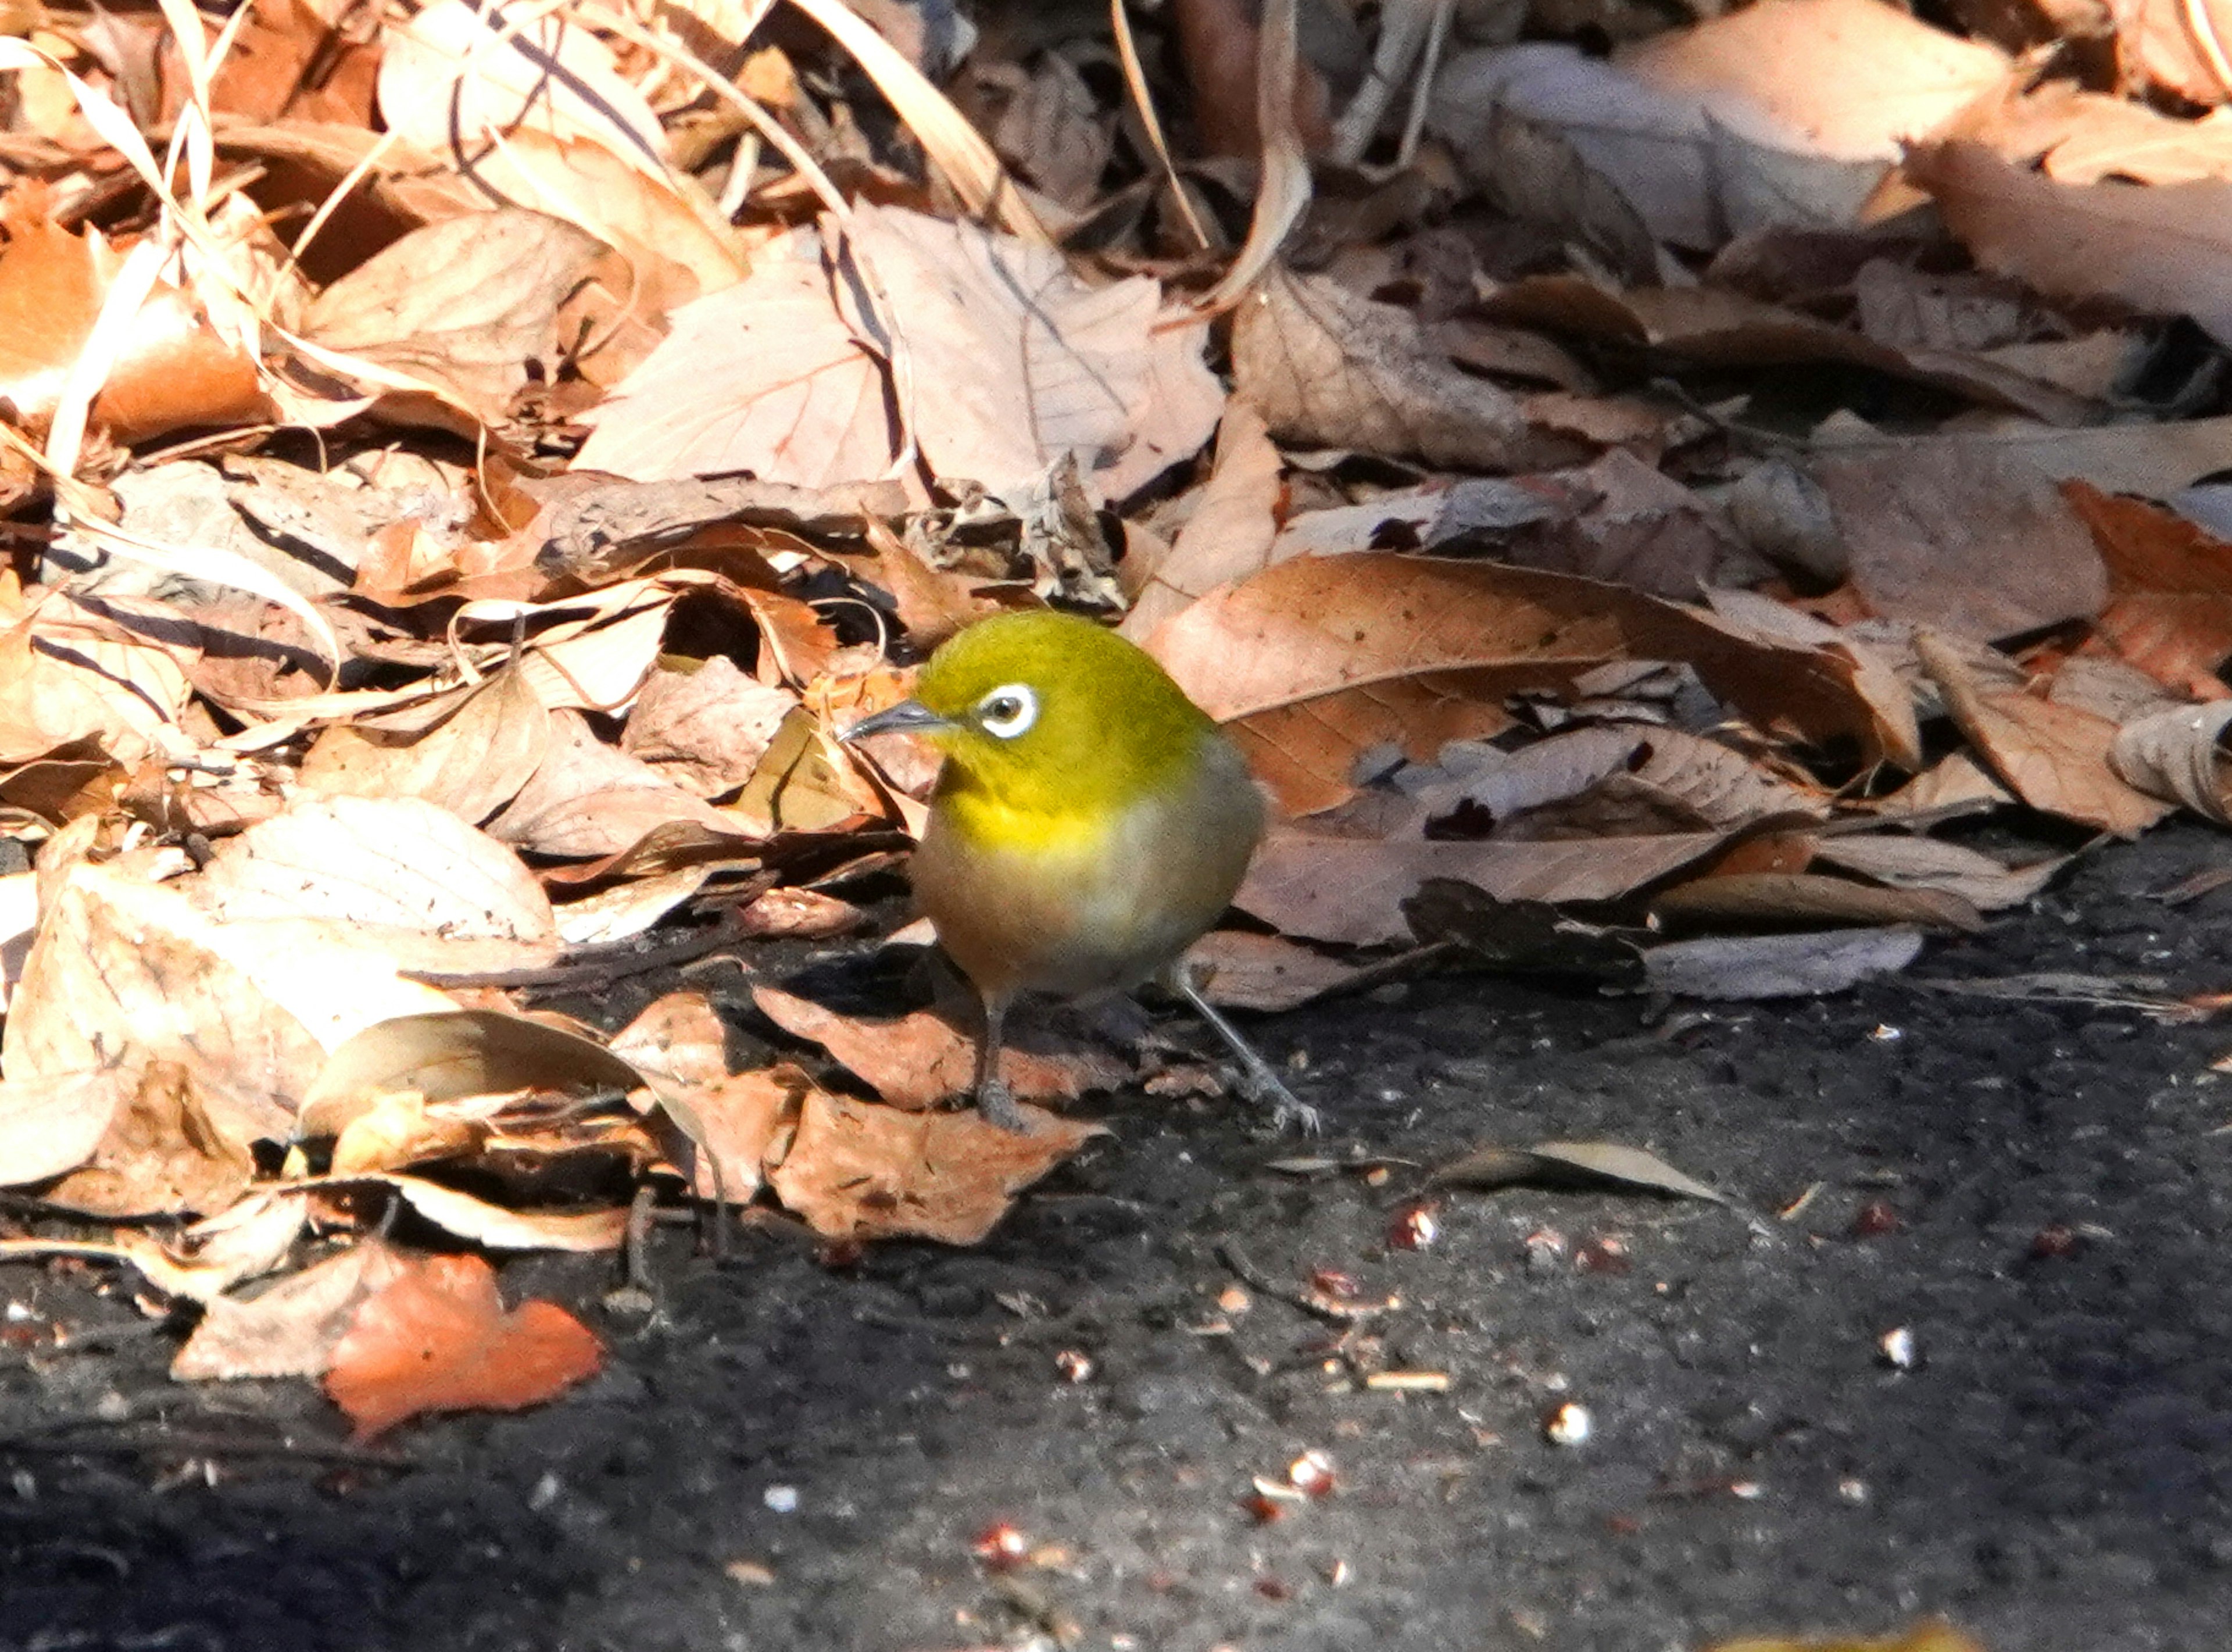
<point>437,1338</point>
<point>1567,1163</point>
<point>165,1151</point>
<point>1229,534</point>
<point>2170,607</point>
<point>590,799</point>
<point>2180,754</point>
<point>858,1171</point>
<point>1808,899</point>
<point>72,678</point>
<point>122,968</point>
<point>920,1060</point>
<point>1903,862</point>
<point>707,727</point>
<point>1931,1635</point>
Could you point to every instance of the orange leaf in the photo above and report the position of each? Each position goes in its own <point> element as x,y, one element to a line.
<point>438,1339</point>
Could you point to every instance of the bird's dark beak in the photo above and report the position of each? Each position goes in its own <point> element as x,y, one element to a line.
<point>907,717</point>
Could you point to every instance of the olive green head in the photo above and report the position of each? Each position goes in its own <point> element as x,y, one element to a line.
<point>1051,713</point>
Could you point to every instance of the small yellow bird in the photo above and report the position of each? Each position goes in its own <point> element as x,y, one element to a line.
<point>1090,823</point>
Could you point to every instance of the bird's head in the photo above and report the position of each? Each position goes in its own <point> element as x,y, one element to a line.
<point>1049,712</point>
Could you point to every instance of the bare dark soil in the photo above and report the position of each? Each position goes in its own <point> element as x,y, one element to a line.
<point>2036,1191</point>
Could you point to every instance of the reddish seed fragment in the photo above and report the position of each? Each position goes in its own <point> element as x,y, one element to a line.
<point>1607,1254</point>
<point>1002,1547</point>
<point>1074,1366</point>
<point>2053,1242</point>
<point>1331,1281</point>
<point>1415,1226</point>
<point>1312,1474</point>
<point>1273,1589</point>
<point>1874,1220</point>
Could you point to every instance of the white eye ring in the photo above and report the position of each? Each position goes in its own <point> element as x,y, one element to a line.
<point>1007,711</point>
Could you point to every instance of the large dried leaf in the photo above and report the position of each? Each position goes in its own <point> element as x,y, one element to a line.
<point>1227,537</point>
<point>1983,547</point>
<point>1012,363</point>
<point>467,308</point>
<point>1567,1163</point>
<point>400,862</point>
<point>918,1060</point>
<point>1270,973</point>
<point>706,727</point>
<point>589,799</point>
<point>438,1339</point>
<point>1808,900</point>
<point>858,1171</point>
<point>2166,248</point>
<point>1351,889</point>
<point>1328,369</point>
<point>71,677</point>
<point>125,969</point>
<point>1902,862</point>
<point>1779,966</point>
<point>1317,659</point>
<point>2054,757</point>
<point>472,763</point>
<point>763,377</point>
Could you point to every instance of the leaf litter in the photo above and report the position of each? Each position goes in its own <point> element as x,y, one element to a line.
<point>1607,575</point>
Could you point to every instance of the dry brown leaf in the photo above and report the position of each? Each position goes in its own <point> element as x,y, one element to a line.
<point>806,783</point>
<point>2166,248</point>
<point>1803,965</point>
<point>397,1131</point>
<point>1588,1162</point>
<point>2054,757</point>
<point>290,1329</point>
<point>1267,973</point>
<point>1980,547</point>
<point>166,1152</point>
<point>500,1227</point>
<point>918,1060</point>
<point>2160,42</point>
<point>1328,369</point>
<point>467,308</point>
<point>858,1171</point>
<point>72,677</point>
<point>1788,900</point>
<point>763,377</point>
<point>1351,889</point>
<point>589,799</point>
<point>680,1036</point>
<point>1012,362</point>
<point>172,369</point>
<point>437,1338</point>
<point>736,1117</point>
<point>1229,534</point>
<point>1904,862</point>
<point>706,727</point>
<point>472,762</point>
<point>290,63</point>
<point>2169,607</point>
<point>1316,659</point>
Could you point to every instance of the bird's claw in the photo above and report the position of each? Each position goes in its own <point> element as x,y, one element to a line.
<point>1261,1086</point>
<point>996,1105</point>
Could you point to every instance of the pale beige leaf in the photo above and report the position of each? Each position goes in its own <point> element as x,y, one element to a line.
<point>763,377</point>
<point>166,1152</point>
<point>472,763</point>
<point>590,799</point>
<point>49,1125</point>
<point>1230,533</point>
<point>628,909</point>
<point>467,307</point>
<point>1779,966</point>
<point>122,968</point>
<point>706,728</point>
<point>1905,862</point>
<point>402,862</point>
<point>1267,973</point>
<point>504,1230</point>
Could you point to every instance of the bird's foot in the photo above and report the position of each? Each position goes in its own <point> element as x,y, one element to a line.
<point>1261,1086</point>
<point>996,1106</point>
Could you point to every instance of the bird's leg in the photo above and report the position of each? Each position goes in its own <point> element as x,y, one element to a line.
<point>1258,1083</point>
<point>996,1103</point>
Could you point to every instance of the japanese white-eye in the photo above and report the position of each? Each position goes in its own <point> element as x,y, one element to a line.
<point>1090,823</point>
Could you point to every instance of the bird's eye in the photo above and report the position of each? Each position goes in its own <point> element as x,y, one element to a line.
<point>1007,711</point>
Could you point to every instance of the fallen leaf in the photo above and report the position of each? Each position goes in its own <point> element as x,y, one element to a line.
<point>438,1339</point>
<point>1229,534</point>
<point>920,1060</point>
<point>1983,547</point>
<point>503,1228</point>
<point>705,728</point>
<point>1568,1163</point>
<point>1808,900</point>
<point>1931,1635</point>
<point>2054,757</point>
<point>858,1171</point>
<point>2180,754</point>
<point>1905,862</point>
<point>291,1328</point>
<point>164,1153</point>
<point>1239,969</point>
<point>52,1124</point>
<point>1328,369</point>
<point>1779,966</point>
<point>472,762</point>
<point>2169,608</point>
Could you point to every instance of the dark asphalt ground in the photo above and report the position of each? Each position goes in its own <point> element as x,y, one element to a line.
<point>800,1459</point>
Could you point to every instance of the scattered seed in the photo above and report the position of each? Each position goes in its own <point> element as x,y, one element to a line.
<point>2053,1242</point>
<point>1875,1219</point>
<point>1074,1366</point>
<point>1409,1382</point>
<point>1569,1424</point>
<point>1235,1299</point>
<point>1606,1253</point>
<point>781,1500</point>
<point>1000,1547</point>
<point>1331,1281</point>
<point>1852,1489</point>
<point>752,1574</point>
<point>1312,1474</point>
<point>1273,1589</point>
<point>1898,1349</point>
<point>1337,1573</point>
<point>1415,1226</point>
<point>1884,1033</point>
